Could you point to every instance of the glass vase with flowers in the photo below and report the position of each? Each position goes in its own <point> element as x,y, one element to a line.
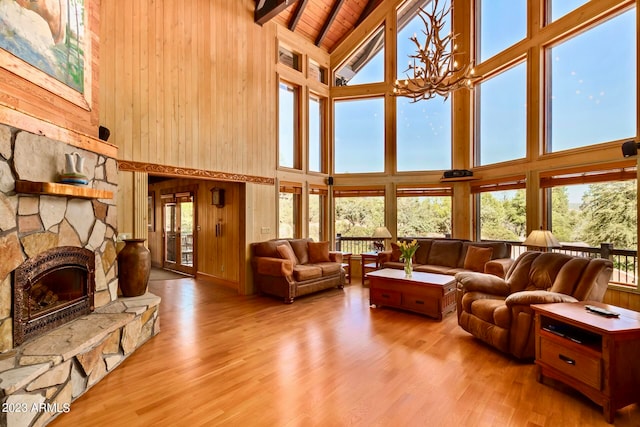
<point>407,250</point>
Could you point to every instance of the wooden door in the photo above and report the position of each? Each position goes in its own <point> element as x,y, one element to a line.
<point>178,225</point>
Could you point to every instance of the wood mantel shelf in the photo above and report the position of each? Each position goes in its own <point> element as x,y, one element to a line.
<point>57,189</point>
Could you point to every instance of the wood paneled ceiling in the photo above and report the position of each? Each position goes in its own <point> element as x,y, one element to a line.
<point>323,22</point>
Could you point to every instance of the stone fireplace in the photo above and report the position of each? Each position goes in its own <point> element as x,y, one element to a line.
<point>37,218</point>
<point>63,326</point>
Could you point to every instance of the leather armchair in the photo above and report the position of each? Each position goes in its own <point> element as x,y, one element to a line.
<point>498,311</point>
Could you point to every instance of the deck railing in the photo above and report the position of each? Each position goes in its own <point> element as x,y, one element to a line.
<point>355,245</point>
<point>625,261</point>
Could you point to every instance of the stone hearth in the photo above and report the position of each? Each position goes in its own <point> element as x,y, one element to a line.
<point>42,377</point>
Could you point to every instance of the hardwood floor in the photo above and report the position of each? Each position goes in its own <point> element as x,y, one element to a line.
<point>325,360</point>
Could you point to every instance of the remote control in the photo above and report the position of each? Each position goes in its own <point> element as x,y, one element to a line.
<point>601,311</point>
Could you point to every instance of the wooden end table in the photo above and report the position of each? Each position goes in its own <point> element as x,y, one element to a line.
<point>596,355</point>
<point>369,262</point>
<point>346,265</point>
<point>426,293</point>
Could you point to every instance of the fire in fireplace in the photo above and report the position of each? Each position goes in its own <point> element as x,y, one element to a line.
<point>51,289</point>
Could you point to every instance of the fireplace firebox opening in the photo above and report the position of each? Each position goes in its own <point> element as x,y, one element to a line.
<point>52,289</point>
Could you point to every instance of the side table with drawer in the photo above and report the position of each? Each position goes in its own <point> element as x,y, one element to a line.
<point>594,354</point>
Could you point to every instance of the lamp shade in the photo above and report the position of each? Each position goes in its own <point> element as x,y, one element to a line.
<point>381,233</point>
<point>541,239</point>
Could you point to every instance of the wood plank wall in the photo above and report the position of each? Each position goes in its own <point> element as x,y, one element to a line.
<point>190,83</point>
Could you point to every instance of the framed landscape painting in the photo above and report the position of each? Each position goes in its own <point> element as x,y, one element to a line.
<point>46,42</point>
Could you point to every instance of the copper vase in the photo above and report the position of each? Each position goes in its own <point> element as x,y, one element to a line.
<point>134,266</point>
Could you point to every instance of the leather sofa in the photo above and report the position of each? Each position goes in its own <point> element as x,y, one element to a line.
<point>498,311</point>
<point>451,256</point>
<point>289,268</point>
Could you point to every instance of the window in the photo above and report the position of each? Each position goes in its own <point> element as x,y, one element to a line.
<point>558,8</point>
<point>501,23</point>
<point>594,211</point>
<point>592,97</point>
<point>316,134</point>
<point>366,65</point>
<point>424,212</point>
<point>423,129</point>
<point>423,134</point>
<point>288,148</point>
<point>409,23</point>
<point>502,123</point>
<point>501,209</point>
<point>358,211</point>
<point>317,211</point>
<point>289,210</point>
<point>359,135</point>
<point>317,72</point>
<point>289,58</point>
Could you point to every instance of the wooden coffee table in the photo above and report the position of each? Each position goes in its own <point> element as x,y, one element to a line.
<point>426,293</point>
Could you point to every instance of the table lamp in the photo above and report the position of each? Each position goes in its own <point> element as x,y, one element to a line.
<point>382,234</point>
<point>541,240</point>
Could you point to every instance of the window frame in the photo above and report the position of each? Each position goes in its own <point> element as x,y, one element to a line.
<point>545,76</point>
<point>477,112</point>
<point>323,107</point>
<point>515,182</point>
<point>297,143</point>
<point>383,120</point>
<point>624,170</point>
<point>427,190</point>
<point>294,188</point>
<point>323,206</point>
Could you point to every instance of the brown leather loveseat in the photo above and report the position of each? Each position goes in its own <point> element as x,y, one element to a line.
<point>498,311</point>
<point>451,256</point>
<point>288,268</point>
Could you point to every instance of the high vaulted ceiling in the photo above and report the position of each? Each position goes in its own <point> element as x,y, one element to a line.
<point>323,22</point>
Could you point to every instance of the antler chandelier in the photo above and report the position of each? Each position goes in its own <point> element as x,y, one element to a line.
<point>433,67</point>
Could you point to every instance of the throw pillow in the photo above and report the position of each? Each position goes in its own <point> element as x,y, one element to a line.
<point>477,257</point>
<point>395,252</point>
<point>286,252</point>
<point>318,252</point>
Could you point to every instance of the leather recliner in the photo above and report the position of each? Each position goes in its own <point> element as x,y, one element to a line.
<point>498,311</point>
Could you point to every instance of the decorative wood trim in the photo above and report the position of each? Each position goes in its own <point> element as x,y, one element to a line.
<point>174,171</point>
<point>20,120</point>
<point>57,189</point>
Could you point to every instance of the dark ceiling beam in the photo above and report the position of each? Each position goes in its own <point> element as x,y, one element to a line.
<point>371,4</point>
<point>297,14</point>
<point>268,9</point>
<point>332,16</point>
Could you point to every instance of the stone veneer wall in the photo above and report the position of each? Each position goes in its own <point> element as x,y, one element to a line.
<point>31,224</point>
<point>40,378</point>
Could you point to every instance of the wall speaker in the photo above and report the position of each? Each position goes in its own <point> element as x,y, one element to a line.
<point>330,180</point>
<point>629,148</point>
<point>103,133</point>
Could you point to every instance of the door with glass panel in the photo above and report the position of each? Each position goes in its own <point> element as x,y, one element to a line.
<point>178,238</point>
